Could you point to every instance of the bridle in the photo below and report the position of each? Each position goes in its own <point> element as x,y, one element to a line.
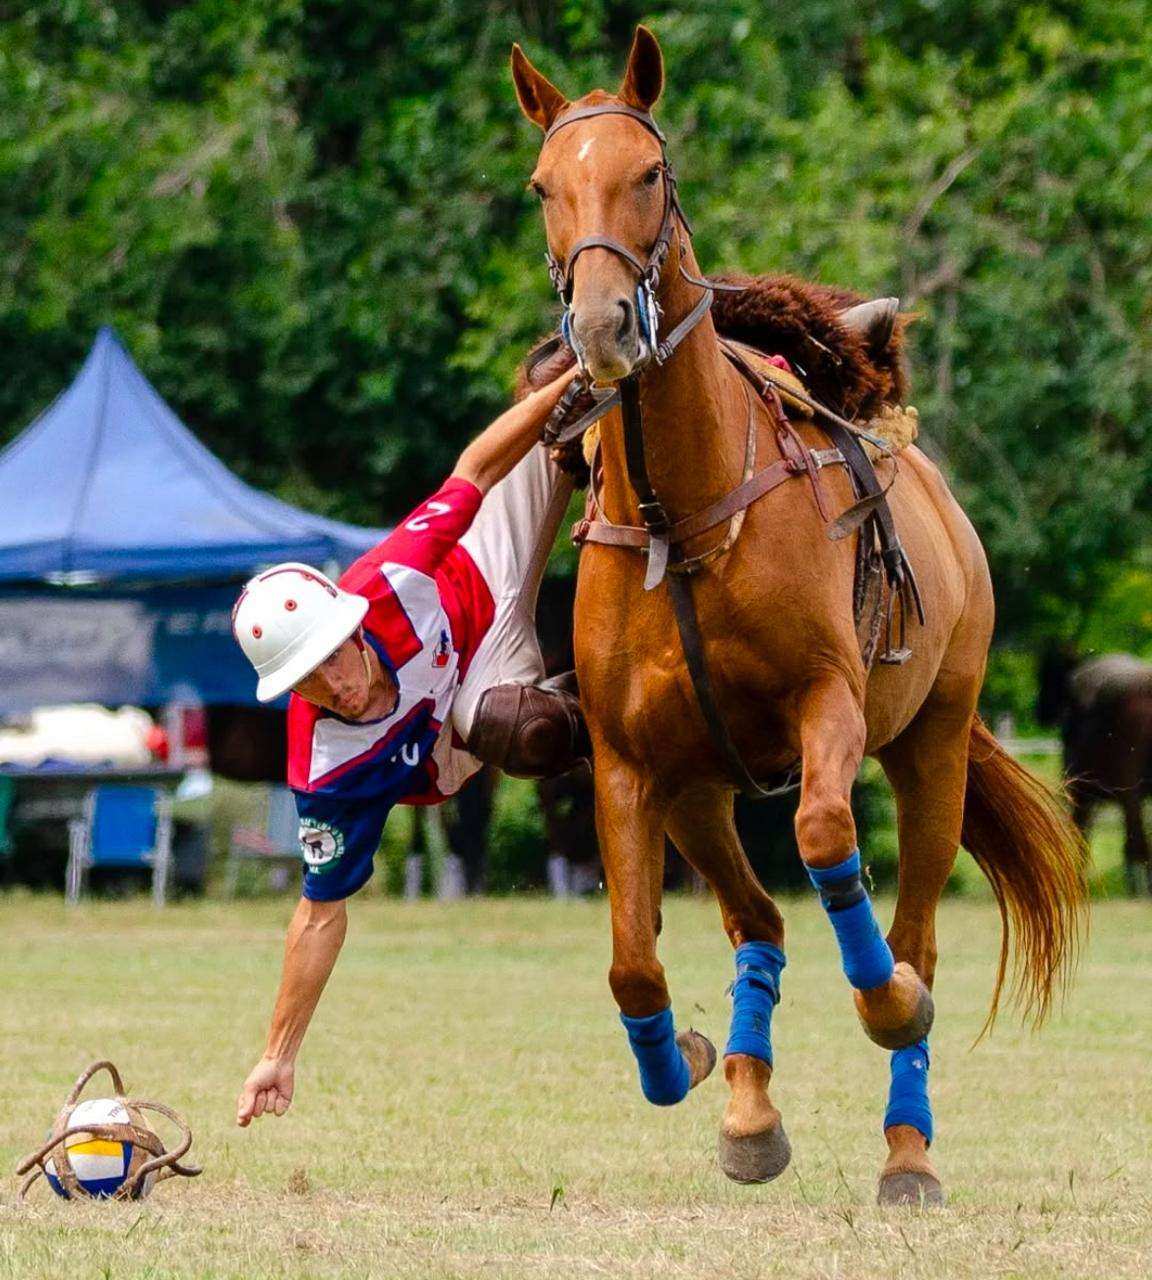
<point>648,272</point>
<point>661,539</point>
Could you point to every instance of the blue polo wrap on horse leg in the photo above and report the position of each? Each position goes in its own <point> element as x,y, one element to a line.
<point>755,993</point>
<point>664,1074</point>
<point>908,1093</point>
<point>866,957</point>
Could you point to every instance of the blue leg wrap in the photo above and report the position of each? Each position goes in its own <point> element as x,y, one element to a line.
<point>866,957</point>
<point>908,1093</point>
<point>664,1074</point>
<point>755,993</point>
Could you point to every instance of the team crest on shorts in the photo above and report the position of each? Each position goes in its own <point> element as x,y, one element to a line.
<point>443,651</point>
<point>321,844</point>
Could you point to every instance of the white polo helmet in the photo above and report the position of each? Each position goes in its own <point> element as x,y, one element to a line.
<point>288,620</point>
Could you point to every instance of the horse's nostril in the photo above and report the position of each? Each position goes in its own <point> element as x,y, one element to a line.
<point>625,318</point>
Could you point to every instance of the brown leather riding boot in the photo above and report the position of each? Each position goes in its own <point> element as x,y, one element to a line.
<point>530,731</point>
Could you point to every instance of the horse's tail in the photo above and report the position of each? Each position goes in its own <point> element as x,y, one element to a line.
<point>1034,857</point>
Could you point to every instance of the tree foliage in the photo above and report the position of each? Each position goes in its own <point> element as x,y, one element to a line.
<point>308,220</point>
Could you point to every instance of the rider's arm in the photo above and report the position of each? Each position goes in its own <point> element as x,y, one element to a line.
<point>339,840</point>
<point>425,536</point>
<point>315,937</point>
<point>501,445</point>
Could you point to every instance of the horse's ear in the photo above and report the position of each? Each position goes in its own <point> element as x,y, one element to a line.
<point>644,80</point>
<point>540,100</point>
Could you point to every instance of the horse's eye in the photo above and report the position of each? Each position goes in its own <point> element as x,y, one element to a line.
<point>652,177</point>
<point>538,189</point>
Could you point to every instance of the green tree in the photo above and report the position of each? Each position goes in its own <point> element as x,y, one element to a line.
<point>308,220</point>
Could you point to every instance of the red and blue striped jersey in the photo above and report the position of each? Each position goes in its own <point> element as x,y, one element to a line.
<point>429,609</point>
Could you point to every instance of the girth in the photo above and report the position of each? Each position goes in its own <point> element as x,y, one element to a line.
<point>663,539</point>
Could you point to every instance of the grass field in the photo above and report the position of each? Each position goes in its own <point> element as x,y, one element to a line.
<point>466,1104</point>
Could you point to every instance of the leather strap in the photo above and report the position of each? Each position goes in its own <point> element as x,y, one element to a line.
<point>596,242</point>
<point>668,345</point>
<point>607,109</point>
<point>606,400</point>
<point>734,501</point>
<point>651,509</point>
<point>897,567</point>
<point>688,624</point>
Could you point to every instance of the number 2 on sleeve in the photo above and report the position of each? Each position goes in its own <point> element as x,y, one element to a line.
<point>431,509</point>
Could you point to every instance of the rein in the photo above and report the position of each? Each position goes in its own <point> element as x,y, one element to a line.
<point>661,538</point>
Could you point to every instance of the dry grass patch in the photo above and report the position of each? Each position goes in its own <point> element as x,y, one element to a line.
<point>467,1107</point>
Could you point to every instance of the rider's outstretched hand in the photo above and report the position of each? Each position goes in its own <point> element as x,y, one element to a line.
<point>268,1089</point>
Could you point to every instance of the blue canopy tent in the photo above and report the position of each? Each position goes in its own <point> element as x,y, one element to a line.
<point>120,532</point>
<point>109,483</point>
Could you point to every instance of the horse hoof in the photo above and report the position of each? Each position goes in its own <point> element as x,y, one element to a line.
<point>915,1190</point>
<point>757,1157</point>
<point>699,1052</point>
<point>908,1031</point>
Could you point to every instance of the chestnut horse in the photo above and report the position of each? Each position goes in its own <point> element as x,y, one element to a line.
<point>775,611</point>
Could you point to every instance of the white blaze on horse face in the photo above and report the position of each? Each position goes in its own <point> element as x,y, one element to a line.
<point>582,154</point>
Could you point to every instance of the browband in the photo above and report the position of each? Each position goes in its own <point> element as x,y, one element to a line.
<point>608,109</point>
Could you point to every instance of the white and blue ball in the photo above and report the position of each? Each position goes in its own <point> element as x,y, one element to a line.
<point>102,1165</point>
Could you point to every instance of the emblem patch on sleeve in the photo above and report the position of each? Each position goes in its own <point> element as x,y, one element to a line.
<point>321,844</point>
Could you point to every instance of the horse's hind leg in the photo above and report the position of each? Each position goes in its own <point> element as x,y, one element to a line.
<point>753,1144</point>
<point>927,766</point>
<point>630,825</point>
<point>894,1005</point>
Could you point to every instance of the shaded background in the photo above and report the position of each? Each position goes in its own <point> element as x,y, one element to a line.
<point>308,220</point>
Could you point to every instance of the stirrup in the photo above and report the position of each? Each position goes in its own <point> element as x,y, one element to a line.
<point>893,655</point>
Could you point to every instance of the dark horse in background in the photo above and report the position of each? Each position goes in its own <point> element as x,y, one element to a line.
<point>1103,709</point>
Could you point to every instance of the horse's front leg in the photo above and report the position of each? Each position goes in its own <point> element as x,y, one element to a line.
<point>630,826</point>
<point>893,1003</point>
<point>753,1145</point>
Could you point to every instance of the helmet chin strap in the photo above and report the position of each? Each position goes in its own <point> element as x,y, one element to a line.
<point>358,639</point>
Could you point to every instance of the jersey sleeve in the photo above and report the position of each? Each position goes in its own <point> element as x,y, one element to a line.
<point>426,535</point>
<point>338,842</point>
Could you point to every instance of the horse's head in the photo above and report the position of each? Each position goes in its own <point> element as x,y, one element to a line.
<point>608,201</point>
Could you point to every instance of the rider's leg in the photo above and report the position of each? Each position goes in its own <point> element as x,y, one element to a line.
<point>505,709</point>
<point>529,731</point>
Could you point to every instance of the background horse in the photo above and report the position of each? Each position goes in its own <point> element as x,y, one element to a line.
<point>775,609</point>
<point>1103,708</point>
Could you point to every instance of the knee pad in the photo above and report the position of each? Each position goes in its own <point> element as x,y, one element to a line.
<point>528,731</point>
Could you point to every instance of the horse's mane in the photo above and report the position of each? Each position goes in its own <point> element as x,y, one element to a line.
<point>781,315</point>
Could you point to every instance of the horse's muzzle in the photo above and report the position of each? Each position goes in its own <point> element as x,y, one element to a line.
<point>607,340</point>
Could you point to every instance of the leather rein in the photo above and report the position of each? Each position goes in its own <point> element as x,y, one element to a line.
<point>661,538</point>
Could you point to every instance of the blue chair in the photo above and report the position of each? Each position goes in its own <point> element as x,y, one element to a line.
<point>121,827</point>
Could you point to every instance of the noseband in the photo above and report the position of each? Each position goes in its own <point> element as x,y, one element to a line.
<point>648,272</point>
